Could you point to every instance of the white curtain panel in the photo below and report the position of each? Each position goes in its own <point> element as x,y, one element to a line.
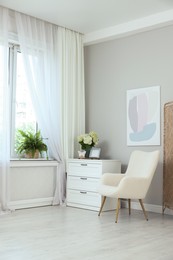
<point>70,71</point>
<point>71,80</point>
<point>4,110</point>
<point>53,59</point>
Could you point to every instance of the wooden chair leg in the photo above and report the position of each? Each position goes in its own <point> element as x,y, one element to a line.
<point>129,206</point>
<point>163,209</point>
<point>117,210</point>
<point>142,206</point>
<point>103,202</point>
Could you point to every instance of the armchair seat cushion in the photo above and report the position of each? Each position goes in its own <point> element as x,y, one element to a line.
<point>108,191</point>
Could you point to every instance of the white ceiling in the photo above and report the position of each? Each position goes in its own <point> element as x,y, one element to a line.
<point>87,16</point>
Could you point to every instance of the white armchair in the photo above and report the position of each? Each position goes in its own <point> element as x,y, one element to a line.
<point>134,184</point>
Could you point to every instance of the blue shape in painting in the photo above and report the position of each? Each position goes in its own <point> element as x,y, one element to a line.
<point>145,134</point>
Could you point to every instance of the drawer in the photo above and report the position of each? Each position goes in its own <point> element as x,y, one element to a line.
<point>84,198</point>
<point>82,183</point>
<point>85,169</point>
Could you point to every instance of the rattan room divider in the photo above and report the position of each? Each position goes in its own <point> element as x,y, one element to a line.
<point>168,157</point>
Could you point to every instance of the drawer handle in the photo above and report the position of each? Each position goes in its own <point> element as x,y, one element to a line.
<point>84,179</point>
<point>83,192</point>
<point>83,164</point>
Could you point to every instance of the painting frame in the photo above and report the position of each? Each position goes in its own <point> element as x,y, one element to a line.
<point>95,153</point>
<point>143,116</point>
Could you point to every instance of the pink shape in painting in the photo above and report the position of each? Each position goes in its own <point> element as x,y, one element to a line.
<point>138,111</point>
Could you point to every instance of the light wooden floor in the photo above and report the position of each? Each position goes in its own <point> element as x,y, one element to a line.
<point>62,233</point>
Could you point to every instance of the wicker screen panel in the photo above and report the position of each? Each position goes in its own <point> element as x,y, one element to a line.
<point>168,157</point>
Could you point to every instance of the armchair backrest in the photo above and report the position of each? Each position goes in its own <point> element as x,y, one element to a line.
<point>143,164</point>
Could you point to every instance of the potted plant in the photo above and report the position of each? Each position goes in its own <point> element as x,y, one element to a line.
<point>30,144</point>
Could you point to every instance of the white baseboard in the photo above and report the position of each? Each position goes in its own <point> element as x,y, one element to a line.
<point>148,207</point>
<point>21,204</point>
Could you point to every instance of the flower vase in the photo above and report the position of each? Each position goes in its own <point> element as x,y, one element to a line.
<point>87,152</point>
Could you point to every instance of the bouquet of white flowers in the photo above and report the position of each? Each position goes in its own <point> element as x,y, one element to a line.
<point>88,140</point>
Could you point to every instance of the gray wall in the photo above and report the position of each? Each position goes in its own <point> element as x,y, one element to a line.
<point>112,68</point>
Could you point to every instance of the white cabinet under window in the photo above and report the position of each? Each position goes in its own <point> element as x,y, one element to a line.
<point>31,183</point>
<point>83,176</point>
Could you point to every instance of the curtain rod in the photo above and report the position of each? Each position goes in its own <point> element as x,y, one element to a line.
<point>12,10</point>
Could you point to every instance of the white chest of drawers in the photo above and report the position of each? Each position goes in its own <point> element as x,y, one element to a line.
<point>82,181</point>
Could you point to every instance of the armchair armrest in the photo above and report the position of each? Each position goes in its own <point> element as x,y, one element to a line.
<point>111,179</point>
<point>133,187</point>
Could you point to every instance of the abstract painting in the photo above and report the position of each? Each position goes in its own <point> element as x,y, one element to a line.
<point>143,116</point>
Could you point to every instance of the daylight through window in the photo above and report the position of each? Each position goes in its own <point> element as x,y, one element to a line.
<point>23,116</point>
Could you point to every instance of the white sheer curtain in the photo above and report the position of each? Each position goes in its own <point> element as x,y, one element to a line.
<point>57,89</point>
<point>4,110</point>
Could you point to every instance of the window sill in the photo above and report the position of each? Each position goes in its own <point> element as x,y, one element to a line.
<point>32,162</point>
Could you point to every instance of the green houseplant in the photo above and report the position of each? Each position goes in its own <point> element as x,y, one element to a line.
<point>30,144</point>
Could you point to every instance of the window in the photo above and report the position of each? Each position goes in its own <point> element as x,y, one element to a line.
<point>22,112</point>
<point>1,91</point>
<point>1,76</point>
